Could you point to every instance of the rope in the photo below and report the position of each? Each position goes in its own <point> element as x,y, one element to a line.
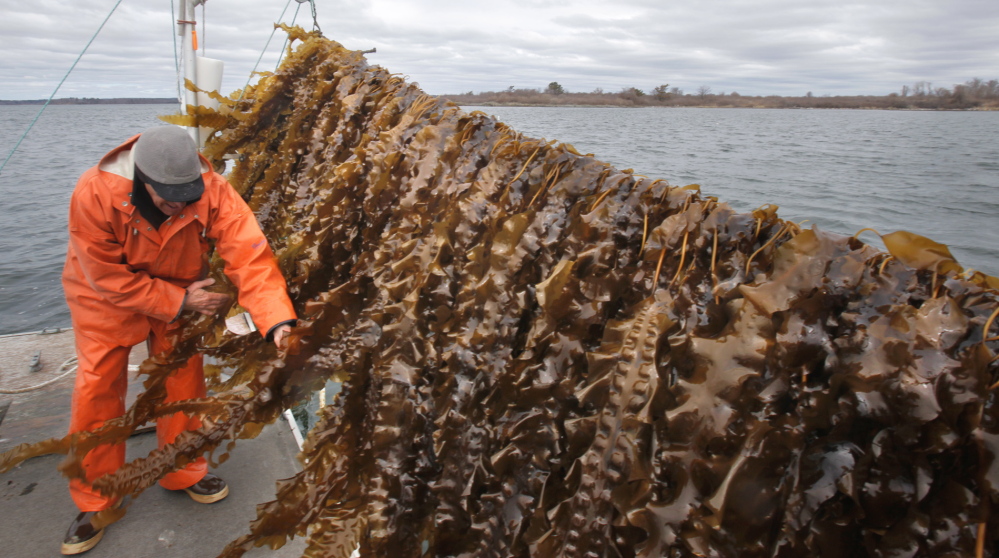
<point>69,365</point>
<point>176,58</point>
<point>37,116</point>
<point>204,31</point>
<point>286,39</point>
<point>44,331</point>
<point>261,57</point>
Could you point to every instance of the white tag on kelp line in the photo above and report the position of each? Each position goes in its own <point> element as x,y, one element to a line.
<point>240,324</point>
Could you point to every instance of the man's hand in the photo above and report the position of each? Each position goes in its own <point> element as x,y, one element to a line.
<point>200,300</point>
<point>280,332</point>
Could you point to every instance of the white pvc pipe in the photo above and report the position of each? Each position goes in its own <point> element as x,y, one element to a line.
<point>187,48</point>
<point>293,424</point>
<point>208,77</point>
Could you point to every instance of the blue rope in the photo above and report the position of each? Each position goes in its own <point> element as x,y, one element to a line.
<point>261,57</point>
<point>37,116</point>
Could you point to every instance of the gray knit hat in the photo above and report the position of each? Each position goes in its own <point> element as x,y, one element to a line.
<point>167,159</point>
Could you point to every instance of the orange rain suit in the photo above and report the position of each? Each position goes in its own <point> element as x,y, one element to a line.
<point>125,282</point>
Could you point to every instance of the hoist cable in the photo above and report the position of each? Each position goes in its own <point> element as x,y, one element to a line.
<point>262,52</point>
<point>176,58</point>
<point>204,31</point>
<point>37,116</point>
<point>286,39</point>
<point>315,21</point>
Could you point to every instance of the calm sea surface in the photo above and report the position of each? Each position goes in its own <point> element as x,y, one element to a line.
<point>932,173</point>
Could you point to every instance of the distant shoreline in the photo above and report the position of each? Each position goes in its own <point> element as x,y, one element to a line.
<point>635,99</point>
<point>792,107</point>
<point>556,105</point>
<point>535,98</point>
<point>92,101</point>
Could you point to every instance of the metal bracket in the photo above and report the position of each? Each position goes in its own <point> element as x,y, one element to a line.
<point>36,362</point>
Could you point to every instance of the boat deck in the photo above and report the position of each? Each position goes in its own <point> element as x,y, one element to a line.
<point>35,507</point>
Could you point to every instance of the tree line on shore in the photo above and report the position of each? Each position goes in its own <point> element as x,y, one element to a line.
<point>974,94</point>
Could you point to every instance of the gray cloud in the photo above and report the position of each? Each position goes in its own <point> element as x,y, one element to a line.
<point>783,47</point>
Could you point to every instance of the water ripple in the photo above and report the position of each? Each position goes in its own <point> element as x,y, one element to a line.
<point>932,173</point>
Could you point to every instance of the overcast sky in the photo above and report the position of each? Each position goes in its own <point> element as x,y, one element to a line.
<point>759,47</point>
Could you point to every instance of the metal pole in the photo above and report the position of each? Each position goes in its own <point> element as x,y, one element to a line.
<point>187,24</point>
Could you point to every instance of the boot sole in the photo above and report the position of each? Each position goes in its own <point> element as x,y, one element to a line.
<point>208,498</point>
<point>81,547</point>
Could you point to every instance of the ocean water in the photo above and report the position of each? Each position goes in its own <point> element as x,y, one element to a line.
<point>931,173</point>
<point>35,187</point>
<point>928,172</point>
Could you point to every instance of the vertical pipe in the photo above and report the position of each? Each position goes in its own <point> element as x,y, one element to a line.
<point>186,20</point>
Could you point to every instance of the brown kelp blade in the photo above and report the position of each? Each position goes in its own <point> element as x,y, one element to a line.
<point>544,356</point>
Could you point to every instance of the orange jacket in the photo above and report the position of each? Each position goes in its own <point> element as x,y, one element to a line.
<point>121,270</point>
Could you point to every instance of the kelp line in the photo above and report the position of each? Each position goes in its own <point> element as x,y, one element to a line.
<point>543,356</point>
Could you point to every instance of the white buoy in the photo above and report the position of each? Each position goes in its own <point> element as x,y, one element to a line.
<point>208,77</point>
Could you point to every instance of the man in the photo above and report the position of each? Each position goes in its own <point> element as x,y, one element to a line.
<point>139,226</point>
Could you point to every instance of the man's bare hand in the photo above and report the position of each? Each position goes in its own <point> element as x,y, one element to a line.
<point>280,332</point>
<point>200,300</point>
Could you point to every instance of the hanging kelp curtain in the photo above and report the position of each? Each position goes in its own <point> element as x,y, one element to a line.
<point>544,356</point>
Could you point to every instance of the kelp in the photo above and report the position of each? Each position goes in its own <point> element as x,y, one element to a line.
<point>542,355</point>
